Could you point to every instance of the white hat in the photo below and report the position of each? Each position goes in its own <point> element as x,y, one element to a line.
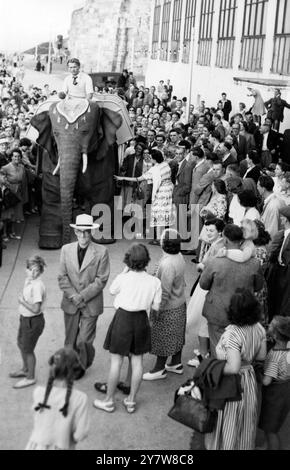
<point>84,222</point>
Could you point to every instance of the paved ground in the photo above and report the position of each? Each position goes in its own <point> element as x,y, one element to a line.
<point>149,428</point>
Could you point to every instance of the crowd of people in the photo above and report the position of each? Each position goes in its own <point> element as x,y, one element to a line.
<point>218,187</point>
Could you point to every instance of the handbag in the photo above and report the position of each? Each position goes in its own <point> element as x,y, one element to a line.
<point>10,199</point>
<point>193,413</point>
<point>139,193</point>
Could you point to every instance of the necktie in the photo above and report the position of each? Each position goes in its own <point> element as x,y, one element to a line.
<point>75,81</point>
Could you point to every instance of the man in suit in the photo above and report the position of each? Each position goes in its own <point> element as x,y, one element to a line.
<point>222,277</point>
<point>227,106</point>
<point>84,272</point>
<point>204,188</point>
<point>240,142</point>
<point>201,168</point>
<point>225,154</point>
<point>278,276</point>
<point>151,143</point>
<point>273,203</point>
<point>250,168</point>
<point>267,144</point>
<point>275,107</point>
<point>131,94</point>
<point>219,127</point>
<point>181,190</point>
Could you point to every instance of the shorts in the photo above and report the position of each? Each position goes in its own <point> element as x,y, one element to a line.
<point>129,333</point>
<point>30,329</point>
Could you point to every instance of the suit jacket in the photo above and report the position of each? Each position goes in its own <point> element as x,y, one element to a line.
<point>128,167</point>
<point>255,174</point>
<point>227,109</point>
<point>221,278</point>
<point>271,214</point>
<point>88,281</point>
<point>275,248</point>
<point>181,190</point>
<point>203,189</point>
<point>241,147</point>
<point>229,161</point>
<point>197,173</point>
<point>221,130</point>
<point>272,141</point>
<point>275,108</point>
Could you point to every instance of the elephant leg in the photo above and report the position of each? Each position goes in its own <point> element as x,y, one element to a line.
<point>50,231</point>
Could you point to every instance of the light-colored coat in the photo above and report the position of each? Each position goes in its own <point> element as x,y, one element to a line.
<point>271,214</point>
<point>197,174</point>
<point>221,278</point>
<point>89,281</point>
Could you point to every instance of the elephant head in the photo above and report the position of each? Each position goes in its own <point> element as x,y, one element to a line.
<point>77,135</point>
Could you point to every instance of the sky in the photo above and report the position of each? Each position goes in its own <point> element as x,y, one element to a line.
<point>25,23</point>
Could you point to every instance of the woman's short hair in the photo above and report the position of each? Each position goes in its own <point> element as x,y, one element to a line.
<point>157,156</point>
<point>264,237</point>
<point>267,182</point>
<point>37,261</point>
<point>137,257</point>
<point>247,198</point>
<point>171,242</point>
<point>244,308</point>
<point>220,186</point>
<point>218,223</point>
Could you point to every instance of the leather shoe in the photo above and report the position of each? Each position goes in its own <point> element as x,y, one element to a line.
<point>188,252</point>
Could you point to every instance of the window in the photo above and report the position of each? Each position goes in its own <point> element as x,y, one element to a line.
<point>165,30</point>
<point>281,56</point>
<point>205,32</point>
<point>176,25</point>
<point>156,29</point>
<point>188,28</point>
<point>226,34</point>
<point>254,33</point>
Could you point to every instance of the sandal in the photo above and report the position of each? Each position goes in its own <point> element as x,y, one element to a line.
<point>130,406</point>
<point>101,387</point>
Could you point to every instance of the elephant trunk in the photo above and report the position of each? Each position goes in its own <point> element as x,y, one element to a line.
<point>70,160</point>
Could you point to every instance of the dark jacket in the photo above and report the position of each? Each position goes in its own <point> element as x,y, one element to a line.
<point>255,174</point>
<point>272,141</point>
<point>275,108</point>
<point>217,388</point>
<point>241,147</point>
<point>181,191</point>
<point>227,109</point>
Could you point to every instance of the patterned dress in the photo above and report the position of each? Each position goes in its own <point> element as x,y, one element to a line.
<point>161,210</point>
<point>262,296</point>
<point>237,422</point>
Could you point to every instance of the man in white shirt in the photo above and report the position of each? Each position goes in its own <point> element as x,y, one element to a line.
<point>78,84</point>
<point>272,205</point>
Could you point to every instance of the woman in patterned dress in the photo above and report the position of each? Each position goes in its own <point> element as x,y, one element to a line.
<point>160,177</point>
<point>168,325</point>
<point>243,341</point>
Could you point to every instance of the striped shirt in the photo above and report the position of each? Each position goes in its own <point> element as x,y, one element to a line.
<point>246,339</point>
<point>277,365</point>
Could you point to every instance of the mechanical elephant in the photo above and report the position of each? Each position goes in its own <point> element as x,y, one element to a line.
<point>77,139</point>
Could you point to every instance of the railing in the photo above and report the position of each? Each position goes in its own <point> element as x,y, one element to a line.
<point>225,53</point>
<point>281,55</point>
<point>252,54</point>
<point>204,52</point>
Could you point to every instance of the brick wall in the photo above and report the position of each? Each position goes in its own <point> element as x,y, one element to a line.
<point>104,33</point>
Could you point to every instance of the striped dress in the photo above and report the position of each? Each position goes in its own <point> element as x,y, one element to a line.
<point>237,422</point>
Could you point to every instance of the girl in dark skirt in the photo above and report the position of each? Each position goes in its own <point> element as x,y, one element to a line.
<point>276,383</point>
<point>137,293</point>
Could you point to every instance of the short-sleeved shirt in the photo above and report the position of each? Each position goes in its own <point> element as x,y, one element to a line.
<point>277,365</point>
<point>33,292</point>
<point>136,291</point>
<point>83,87</point>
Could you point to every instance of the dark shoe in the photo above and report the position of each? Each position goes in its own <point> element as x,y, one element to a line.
<point>194,260</point>
<point>188,252</point>
<point>124,388</point>
<point>101,387</point>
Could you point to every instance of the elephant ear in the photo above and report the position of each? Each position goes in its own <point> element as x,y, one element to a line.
<point>108,124</point>
<point>41,122</point>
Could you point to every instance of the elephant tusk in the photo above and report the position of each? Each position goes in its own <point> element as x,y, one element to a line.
<point>85,162</point>
<point>56,169</point>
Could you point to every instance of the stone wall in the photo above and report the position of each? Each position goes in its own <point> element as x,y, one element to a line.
<point>109,35</point>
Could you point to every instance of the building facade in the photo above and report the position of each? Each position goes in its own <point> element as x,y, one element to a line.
<point>207,47</point>
<point>110,35</point>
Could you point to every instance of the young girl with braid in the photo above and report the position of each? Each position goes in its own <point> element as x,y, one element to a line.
<point>61,417</point>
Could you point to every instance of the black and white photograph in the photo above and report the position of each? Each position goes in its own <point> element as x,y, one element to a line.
<point>145,228</point>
